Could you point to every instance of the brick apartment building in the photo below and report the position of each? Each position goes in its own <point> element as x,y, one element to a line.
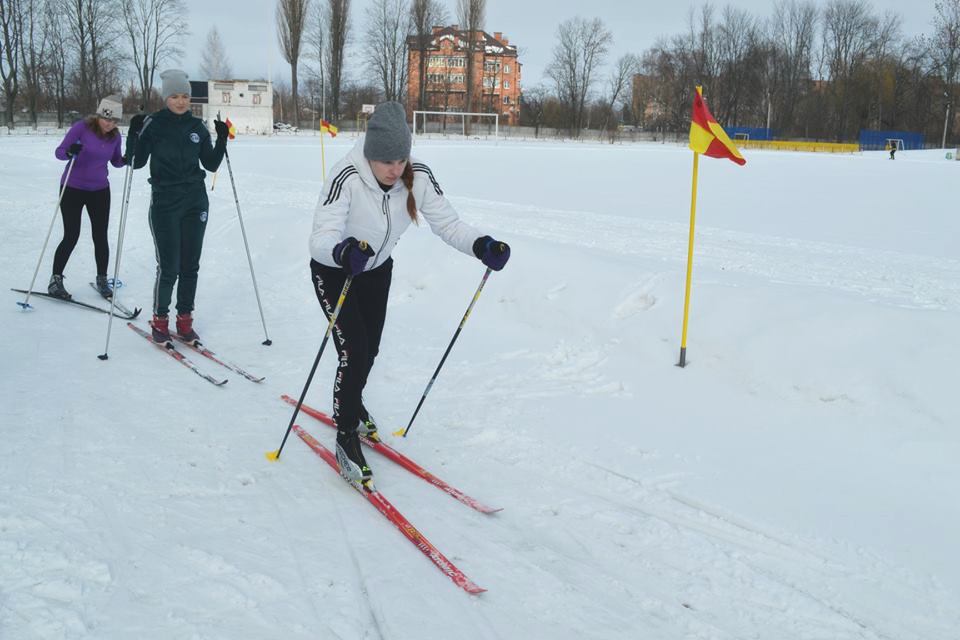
<point>496,73</point>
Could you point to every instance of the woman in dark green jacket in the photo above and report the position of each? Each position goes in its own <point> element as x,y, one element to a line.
<point>177,145</point>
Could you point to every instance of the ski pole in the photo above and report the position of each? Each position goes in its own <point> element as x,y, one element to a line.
<point>246,246</point>
<point>403,432</point>
<point>127,188</point>
<point>275,455</point>
<point>26,301</point>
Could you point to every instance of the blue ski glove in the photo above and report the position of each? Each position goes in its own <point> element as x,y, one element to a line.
<point>492,253</point>
<point>352,255</point>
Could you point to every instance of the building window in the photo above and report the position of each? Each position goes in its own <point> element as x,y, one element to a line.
<point>491,67</point>
<point>256,98</point>
<point>489,83</point>
<point>225,97</point>
<point>457,61</point>
<point>456,78</point>
<point>506,99</point>
<point>435,61</point>
<point>506,68</point>
<point>506,84</point>
<point>223,86</point>
<point>197,110</point>
<point>262,88</point>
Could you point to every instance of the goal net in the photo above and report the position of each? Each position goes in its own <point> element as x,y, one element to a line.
<point>458,123</point>
<point>894,143</point>
<point>741,136</point>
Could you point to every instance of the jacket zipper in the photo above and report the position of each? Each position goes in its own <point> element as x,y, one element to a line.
<point>386,211</point>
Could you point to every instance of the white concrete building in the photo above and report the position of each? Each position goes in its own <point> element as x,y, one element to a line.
<point>248,104</point>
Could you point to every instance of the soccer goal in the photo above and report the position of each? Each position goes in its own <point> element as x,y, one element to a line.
<point>741,136</point>
<point>456,123</point>
<point>894,143</point>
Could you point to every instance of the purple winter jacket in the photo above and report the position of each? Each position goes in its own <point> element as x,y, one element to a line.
<point>90,167</point>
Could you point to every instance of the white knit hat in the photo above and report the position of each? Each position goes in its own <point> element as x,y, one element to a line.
<point>111,108</point>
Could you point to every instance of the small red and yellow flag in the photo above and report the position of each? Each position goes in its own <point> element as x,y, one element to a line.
<point>231,130</point>
<point>329,128</point>
<point>707,136</point>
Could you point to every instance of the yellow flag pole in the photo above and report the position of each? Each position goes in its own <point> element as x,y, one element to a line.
<point>686,295</point>
<point>323,157</point>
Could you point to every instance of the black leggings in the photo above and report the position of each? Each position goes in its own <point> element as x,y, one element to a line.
<point>356,333</point>
<point>71,209</point>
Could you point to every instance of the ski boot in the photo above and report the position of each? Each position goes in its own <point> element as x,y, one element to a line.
<point>103,288</point>
<point>161,331</point>
<point>353,466</point>
<point>185,329</point>
<point>56,289</point>
<point>368,426</point>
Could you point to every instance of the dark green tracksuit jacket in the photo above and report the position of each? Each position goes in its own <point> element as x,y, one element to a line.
<point>176,145</point>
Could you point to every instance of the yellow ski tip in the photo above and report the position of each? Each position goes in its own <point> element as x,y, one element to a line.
<point>399,432</point>
<point>272,456</point>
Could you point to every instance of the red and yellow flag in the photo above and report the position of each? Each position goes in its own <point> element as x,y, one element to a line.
<point>329,128</point>
<point>231,130</point>
<point>707,136</point>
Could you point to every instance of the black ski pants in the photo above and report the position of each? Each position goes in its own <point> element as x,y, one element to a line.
<point>71,211</point>
<point>356,333</point>
<point>178,220</point>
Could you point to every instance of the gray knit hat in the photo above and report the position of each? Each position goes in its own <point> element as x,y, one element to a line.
<point>111,108</point>
<point>388,136</point>
<point>174,82</point>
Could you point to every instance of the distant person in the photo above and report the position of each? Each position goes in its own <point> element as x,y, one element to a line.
<point>89,145</point>
<point>366,204</point>
<point>893,150</point>
<point>177,144</point>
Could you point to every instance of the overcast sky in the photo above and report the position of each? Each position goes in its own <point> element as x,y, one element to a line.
<point>248,28</point>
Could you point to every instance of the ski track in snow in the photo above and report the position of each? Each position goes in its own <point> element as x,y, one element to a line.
<point>203,539</point>
<point>894,278</point>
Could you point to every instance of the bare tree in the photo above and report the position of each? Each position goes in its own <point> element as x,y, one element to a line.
<point>315,39</point>
<point>10,24</point>
<point>849,37</point>
<point>792,29</point>
<point>581,50</point>
<point>33,47</point>
<point>946,45</point>
<point>472,14</point>
<point>214,63</point>
<point>55,67</point>
<point>619,81</point>
<point>424,14</point>
<point>155,29</point>
<point>385,45</point>
<point>291,21</point>
<point>92,25</point>
<point>338,24</point>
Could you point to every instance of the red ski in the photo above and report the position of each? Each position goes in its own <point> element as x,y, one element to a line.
<point>390,512</point>
<point>395,456</point>
<point>179,357</point>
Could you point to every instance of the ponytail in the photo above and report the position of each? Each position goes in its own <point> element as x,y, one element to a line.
<point>407,178</point>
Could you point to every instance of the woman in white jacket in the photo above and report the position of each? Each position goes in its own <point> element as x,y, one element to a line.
<point>368,201</point>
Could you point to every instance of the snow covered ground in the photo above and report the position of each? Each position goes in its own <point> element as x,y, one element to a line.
<point>797,480</point>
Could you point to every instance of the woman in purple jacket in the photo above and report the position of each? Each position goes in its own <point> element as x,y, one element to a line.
<point>90,144</point>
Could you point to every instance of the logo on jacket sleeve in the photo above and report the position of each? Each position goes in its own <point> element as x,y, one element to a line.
<point>194,138</point>
<point>203,216</point>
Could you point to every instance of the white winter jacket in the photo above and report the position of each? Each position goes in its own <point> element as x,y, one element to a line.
<point>353,204</point>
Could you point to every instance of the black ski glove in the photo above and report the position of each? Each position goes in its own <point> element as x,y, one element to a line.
<point>133,132</point>
<point>492,253</point>
<point>223,131</point>
<point>352,255</point>
<point>74,149</point>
